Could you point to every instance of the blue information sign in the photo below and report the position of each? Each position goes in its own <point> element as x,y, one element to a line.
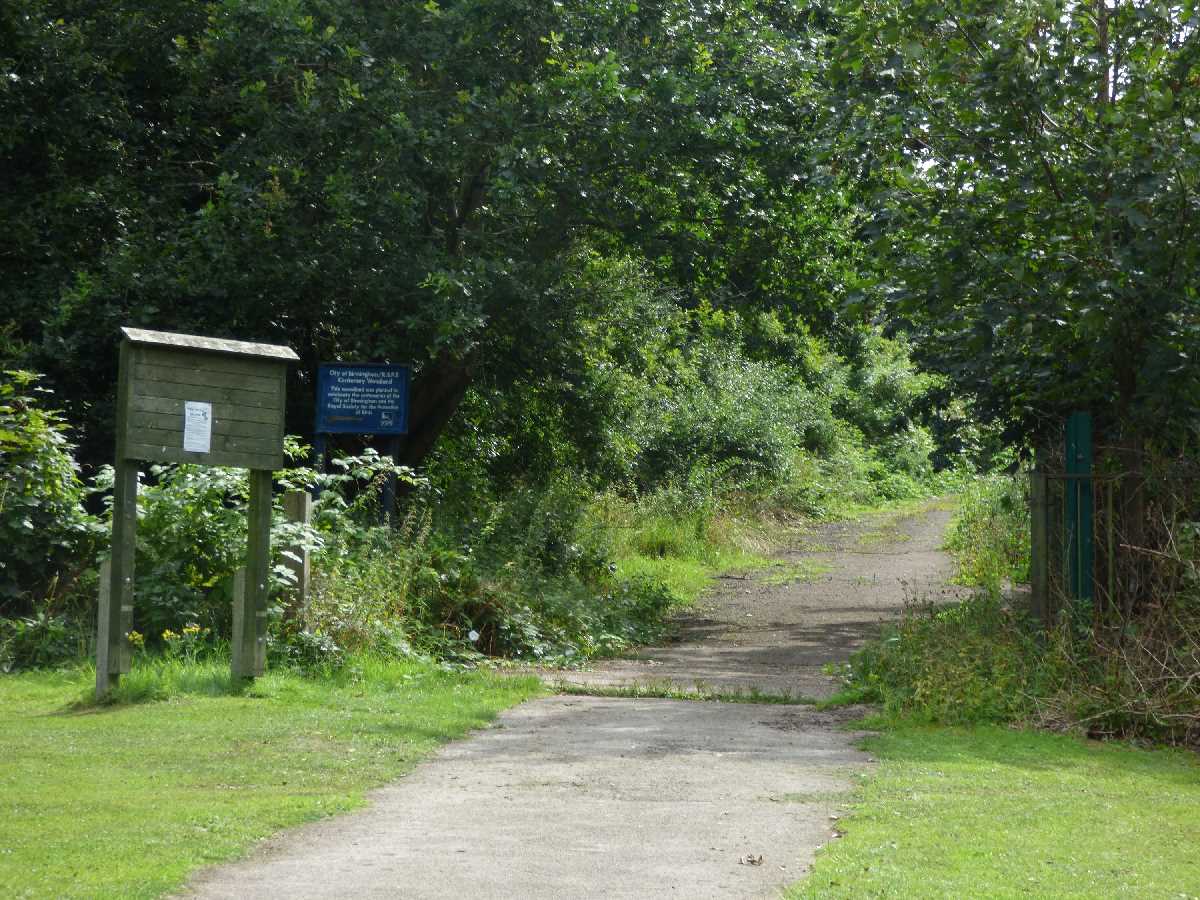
<point>362,398</point>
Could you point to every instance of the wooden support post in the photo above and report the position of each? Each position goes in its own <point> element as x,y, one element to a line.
<point>250,586</point>
<point>105,681</point>
<point>241,660</point>
<point>1039,549</point>
<point>115,614</point>
<point>297,507</point>
<point>387,505</point>
<point>258,564</point>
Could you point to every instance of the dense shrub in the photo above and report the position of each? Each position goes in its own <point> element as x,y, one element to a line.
<point>882,395</point>
<point>982,661</point>
<point>405,592</point>
<point>972,662</point>
<point>745,416</point>
<point>47,535</point>
<point>41,640</point>
<point>1097,671</point>
<point>191,536</point>
<point>990,533</point>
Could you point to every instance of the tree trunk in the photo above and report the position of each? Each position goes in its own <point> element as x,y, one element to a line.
<point>436,395</point>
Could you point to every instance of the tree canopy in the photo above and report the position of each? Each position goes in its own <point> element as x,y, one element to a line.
<point>1034,168</point>
<point>404,181</point>
<point>1012,184</point>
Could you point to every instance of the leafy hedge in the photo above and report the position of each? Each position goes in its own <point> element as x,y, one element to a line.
<point>46,532</point>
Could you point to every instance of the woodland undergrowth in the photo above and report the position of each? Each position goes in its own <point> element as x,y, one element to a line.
<point>1097,670</point>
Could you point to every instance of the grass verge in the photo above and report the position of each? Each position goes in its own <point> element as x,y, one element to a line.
<point>127,800</point>
<point>995,812</point>
<point>669,691</point>
<point>687,551</point>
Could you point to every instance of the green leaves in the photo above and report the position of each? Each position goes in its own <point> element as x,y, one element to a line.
<point>47,534</point>
<point>400,181</point>
<point>1035,169</point>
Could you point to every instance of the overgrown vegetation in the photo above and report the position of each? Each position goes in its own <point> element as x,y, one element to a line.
<point>990,533</point>
<point>483,560</point>
<point>1094,670</point>
<point>604,237</point>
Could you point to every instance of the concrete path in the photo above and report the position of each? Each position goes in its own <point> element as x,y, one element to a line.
<point>598,797</point>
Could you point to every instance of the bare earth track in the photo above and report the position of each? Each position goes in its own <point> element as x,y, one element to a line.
<point>587,796</point>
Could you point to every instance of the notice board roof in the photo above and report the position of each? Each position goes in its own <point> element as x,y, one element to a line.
<point>209,344</point>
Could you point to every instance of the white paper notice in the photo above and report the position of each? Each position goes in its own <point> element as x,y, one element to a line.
<point>197,426</point>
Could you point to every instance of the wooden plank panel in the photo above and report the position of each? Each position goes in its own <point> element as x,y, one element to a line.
<point>147,374</point>
<point>143,337</point>
<point>173,422</point>
<point>233,395</point>
<point>225,442</point>
<point>221,410</point>
<point>233,458</point>
<point>192,360</point>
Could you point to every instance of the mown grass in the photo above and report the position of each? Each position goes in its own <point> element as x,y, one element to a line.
<point>995,812</point>
<point>186,769</point>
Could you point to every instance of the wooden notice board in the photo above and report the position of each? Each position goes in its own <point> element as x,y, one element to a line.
<point>185,398</point>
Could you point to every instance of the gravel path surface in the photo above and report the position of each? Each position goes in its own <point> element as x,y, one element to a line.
<point>598,797</point>
<point>774,632</point>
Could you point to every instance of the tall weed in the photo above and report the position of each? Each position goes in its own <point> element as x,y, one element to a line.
<point>1111,675</point>
<point>989,536</point>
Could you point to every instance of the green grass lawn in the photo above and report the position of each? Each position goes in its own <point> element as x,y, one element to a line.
<point>993,812</point>
<point>127,800</point>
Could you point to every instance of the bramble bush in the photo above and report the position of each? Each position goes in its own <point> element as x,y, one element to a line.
<point>523,580</point>
<point>976,661</point>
